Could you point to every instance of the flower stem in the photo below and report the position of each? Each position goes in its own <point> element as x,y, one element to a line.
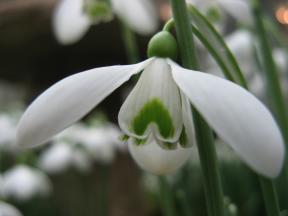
<point>210,168</point>
<point>130,44</point>
<point>276,101</point>
<point>269,196</point>
<point>166,197</point>
<point>102,196</point>
<point>205,141</point>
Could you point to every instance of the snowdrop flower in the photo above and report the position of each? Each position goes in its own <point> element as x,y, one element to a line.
<point>71,21</point>
<point>100,142</point>
<point>158,111</point>
<point>8,210</point>
<point>7,130</point>
<point>239,9</point>
<point>11,96</point>
<point>23,183</point>
<point>62,156</point>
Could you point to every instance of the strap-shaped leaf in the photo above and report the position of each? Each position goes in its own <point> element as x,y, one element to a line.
<point>216,46</point>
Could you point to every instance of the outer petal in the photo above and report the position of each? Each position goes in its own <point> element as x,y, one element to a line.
<point>140,15</point>
<point>152,158</point>
<point>69,21</point>
<point>154,105</point>
<point>237,116</point>
<point>69,100</point>
<point>239,9</point>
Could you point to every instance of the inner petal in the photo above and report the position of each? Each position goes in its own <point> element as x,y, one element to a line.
<point>153,106</point>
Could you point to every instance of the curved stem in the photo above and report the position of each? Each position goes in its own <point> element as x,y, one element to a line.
<point>169,25</point>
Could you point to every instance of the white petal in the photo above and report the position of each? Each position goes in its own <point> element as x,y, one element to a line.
<point>8,210</point>
<point>155,85</point>
<point>188,121</point>
<point>69,21</point>
<point>140,15</point>
<point>69,100</point>
<point>239,118</point>
<point>152,158</point>
<point>239,9</point>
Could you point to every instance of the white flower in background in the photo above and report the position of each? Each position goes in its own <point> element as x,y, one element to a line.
<point>8,210</point>
<point>62,156</point>
<point>71,21</point>
<point>11,96</point>
<point>101,141</point>
<point>23,183</point>
<point>281,61</point>
<point>158,111</point>
<point>100,144</point>
<point>7,131</point>
<point>241,44</point>
<point>239,9</point>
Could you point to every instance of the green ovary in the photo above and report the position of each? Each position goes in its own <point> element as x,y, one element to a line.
<point>154,112</point>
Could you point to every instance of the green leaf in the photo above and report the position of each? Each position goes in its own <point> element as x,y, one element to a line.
<point>216,46</point>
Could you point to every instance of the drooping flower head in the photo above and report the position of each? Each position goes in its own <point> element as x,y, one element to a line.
<point>23,183</point>
<point>157,112</point>
<point>73,18</point>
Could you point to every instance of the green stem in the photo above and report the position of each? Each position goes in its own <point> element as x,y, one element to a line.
<point>130,44</point>
<point>169,25</point>
<point>166,197</point>
<point>184,203</point>
<point>275,96</point>
<point>210,168</point>
<point>270,197</point>
<point>102,198</point>
<point>205,141</point>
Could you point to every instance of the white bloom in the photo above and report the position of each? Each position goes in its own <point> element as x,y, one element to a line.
<point>7,130</point>
<point>70,22</point>
<point>241,43</point>
<point>159,107</point>
<point>11,96</point>
<point>23,183</point>
<point>62,156</point>
<point>239,9</point>
<point>8,210</point>
<point>101,142</point>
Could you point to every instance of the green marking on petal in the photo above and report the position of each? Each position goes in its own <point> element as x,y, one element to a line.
<point>154,112</point>
<point>124,138</point>
<point>139,142</point>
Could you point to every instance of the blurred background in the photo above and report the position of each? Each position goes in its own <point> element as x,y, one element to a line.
<point>87,169</point>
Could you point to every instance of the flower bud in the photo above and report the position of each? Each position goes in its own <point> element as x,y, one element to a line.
<point>163,45</point>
